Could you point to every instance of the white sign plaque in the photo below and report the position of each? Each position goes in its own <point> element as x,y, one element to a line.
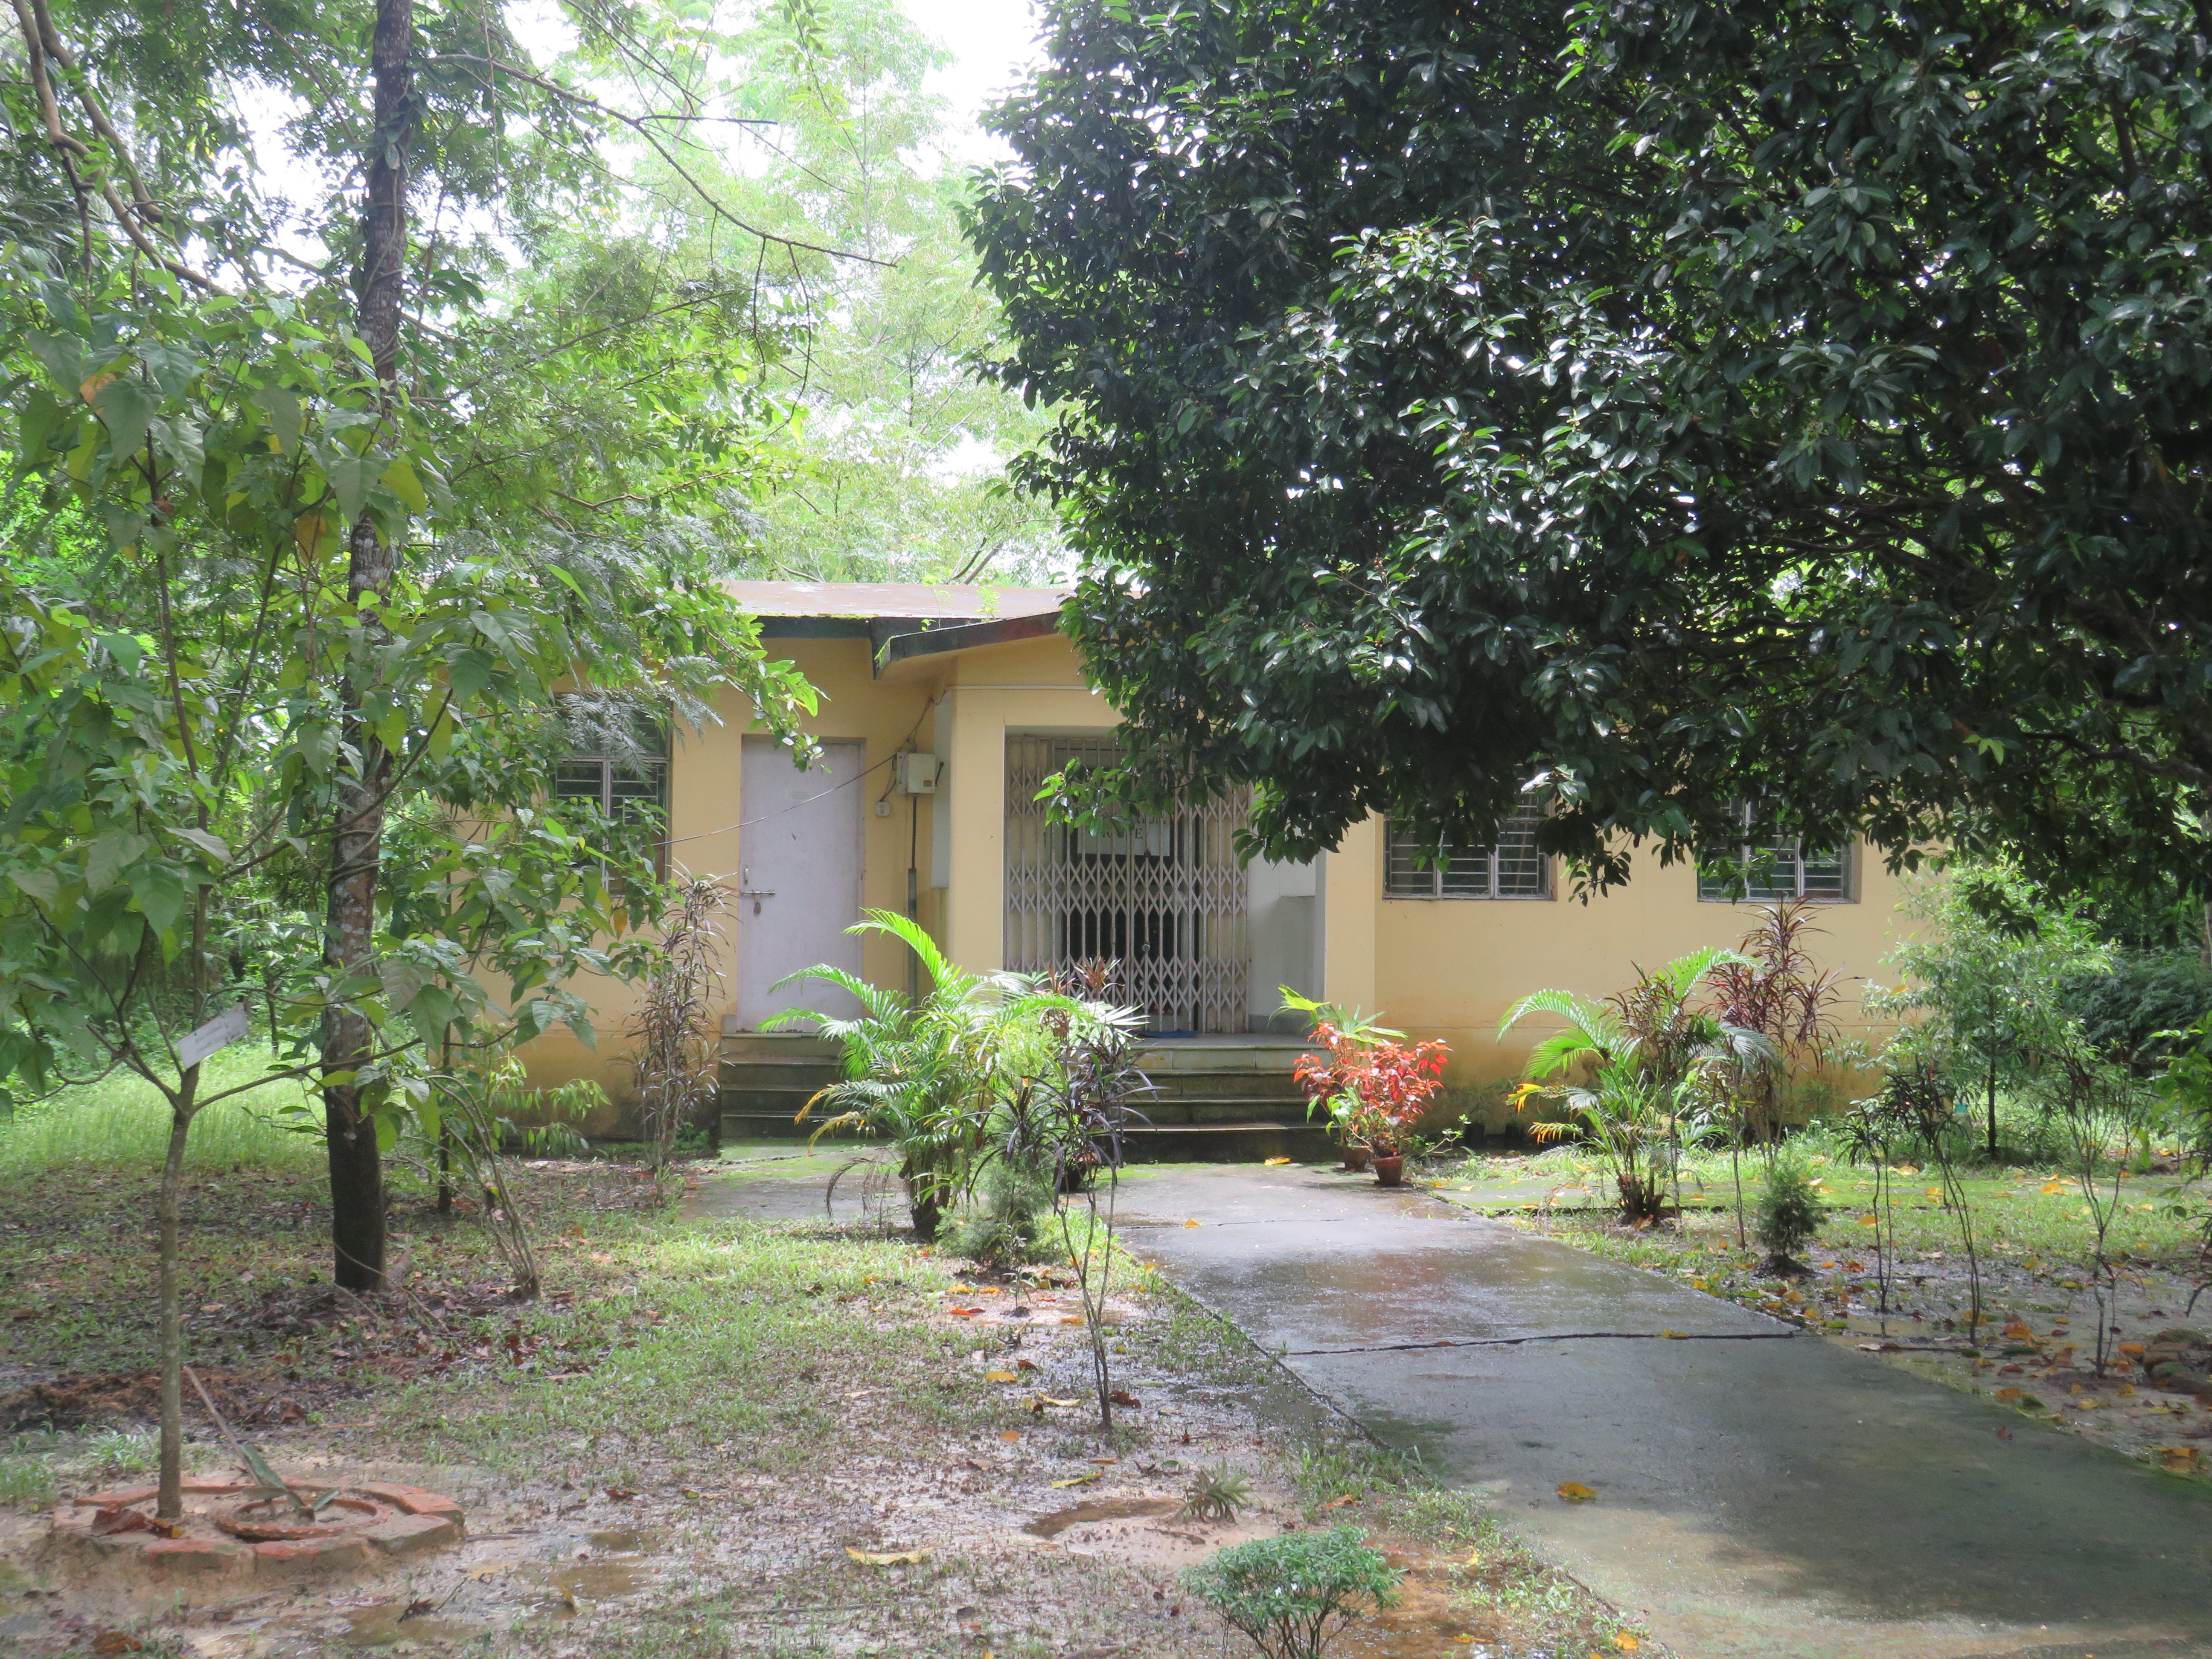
<point>232,1025</point>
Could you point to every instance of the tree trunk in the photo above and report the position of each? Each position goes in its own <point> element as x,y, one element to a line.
<point>171,1503</point>
<point>1993,1111</point>
<point>356,1171</point>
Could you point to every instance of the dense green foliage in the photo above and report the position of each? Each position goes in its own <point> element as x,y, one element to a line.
<point>2127,1013</point>
<point>1671,405</point>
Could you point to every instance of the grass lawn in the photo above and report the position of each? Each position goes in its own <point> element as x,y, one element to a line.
<point>680,1448</point>
<point>1909,1302</point>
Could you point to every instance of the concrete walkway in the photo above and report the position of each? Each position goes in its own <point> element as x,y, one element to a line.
<point>1759,1490</point>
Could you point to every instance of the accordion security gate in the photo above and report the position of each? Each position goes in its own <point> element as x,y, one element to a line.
<point>1166,901</point>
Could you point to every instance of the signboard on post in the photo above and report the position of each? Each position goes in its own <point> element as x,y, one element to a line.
<point>232,1025</point>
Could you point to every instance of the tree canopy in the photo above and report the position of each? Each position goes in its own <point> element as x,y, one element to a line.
<point>1663,413</point>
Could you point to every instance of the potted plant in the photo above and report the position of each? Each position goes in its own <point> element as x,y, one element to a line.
<point>1373,1086</point>
<point>1342,1108</point>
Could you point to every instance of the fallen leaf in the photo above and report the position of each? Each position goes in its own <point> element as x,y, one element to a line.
<point>1048,1400</point>
<point>1935,1192</point>
<point>1081,1480</point>
<point>114,1641</point>
<point>1869,1221</point>
<point>1339,1503</point>
<point>2053,1188</point>
<point>963,1313</point>
<point>2180,1457</point>
<point>2009,1394</point>
<point>1002,1376</point>
<point>2133,1350</point>
<point>1627,1642</point>
<point>896,1559</point>
<point>107,1522</point>
<point>1025,1365</point>
<point>2019,1330</point>
<point>1011,1437</point>
<point>1190,1223</point>
<point>1123,1397</point>
<point>621,1494</point>
<point>1274,1163</point>
<point>1575,1492</point>
<point>2004,1434</point>
<point>1675,1336</point>
<point>1070,1318</point>
<point>1854,1266</point>
<point>2032,1264</point>
<point>1102,1461</point>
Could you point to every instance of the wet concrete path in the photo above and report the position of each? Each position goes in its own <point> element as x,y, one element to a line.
<point>1760,1492</point>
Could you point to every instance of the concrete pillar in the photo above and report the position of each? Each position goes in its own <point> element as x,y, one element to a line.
<point>975,789</point>
<point>1353,885</point>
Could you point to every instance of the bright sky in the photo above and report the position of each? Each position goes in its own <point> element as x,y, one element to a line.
<point>994,43</point>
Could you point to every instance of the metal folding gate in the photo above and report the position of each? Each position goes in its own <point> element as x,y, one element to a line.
<point>1165,901</point>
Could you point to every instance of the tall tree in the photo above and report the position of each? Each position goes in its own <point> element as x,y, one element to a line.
<point>1664,410</point>
<point>201,461</point>
<point>357,834</point>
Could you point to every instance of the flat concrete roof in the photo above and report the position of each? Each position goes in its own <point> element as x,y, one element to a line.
<point>916,601</point>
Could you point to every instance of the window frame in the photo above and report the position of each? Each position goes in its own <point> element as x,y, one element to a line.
<point>1753,847</point>
<point>611,805</point>
<point>1393,838</point>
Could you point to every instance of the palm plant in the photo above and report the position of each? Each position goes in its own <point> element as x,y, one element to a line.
<point>1646,1052</point>
<point>925,1075</point>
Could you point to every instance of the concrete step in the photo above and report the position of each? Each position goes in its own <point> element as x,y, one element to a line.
<point>1228,1143</point>
<point>1257,1054</point>
<point>764,1076</point>
<point>780,1126</point>
<point>1188,1111</point>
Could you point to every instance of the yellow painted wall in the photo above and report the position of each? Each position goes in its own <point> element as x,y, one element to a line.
<point>966,700</point>
<point>1443,967</point>
<point>1451,968</point>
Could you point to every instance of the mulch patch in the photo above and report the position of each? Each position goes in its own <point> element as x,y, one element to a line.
<point>88,1399</point>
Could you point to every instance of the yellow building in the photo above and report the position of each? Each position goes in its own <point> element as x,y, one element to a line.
<point>943,708</point>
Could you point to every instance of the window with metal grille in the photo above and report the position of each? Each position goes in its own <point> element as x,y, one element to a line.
<point>628,789</point>
<point>1765,867</point>
<point>1514,868</point>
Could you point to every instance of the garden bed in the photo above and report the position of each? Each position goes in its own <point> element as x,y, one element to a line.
<point>2034,1348</point>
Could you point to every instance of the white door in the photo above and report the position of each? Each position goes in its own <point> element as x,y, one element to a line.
<point>799,885</point>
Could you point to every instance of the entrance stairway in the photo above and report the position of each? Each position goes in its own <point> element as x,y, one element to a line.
<point>1214,1099</point>
<point>766,1076</point>
<point>1224,1100</point>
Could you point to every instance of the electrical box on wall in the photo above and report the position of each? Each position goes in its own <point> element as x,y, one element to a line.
<point>916,774</point>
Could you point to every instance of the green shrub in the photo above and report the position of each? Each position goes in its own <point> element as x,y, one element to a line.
<point>2122,1013</point>
<point>1003,1229</point>
<point>1290,1594</point>
<point>1790,1211</point>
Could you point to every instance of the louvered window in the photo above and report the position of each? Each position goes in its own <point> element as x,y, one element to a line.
<point>1514,868</point>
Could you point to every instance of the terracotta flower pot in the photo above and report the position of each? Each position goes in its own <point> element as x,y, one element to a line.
<point>1355,1156</point>
<point>1390,1172</point>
